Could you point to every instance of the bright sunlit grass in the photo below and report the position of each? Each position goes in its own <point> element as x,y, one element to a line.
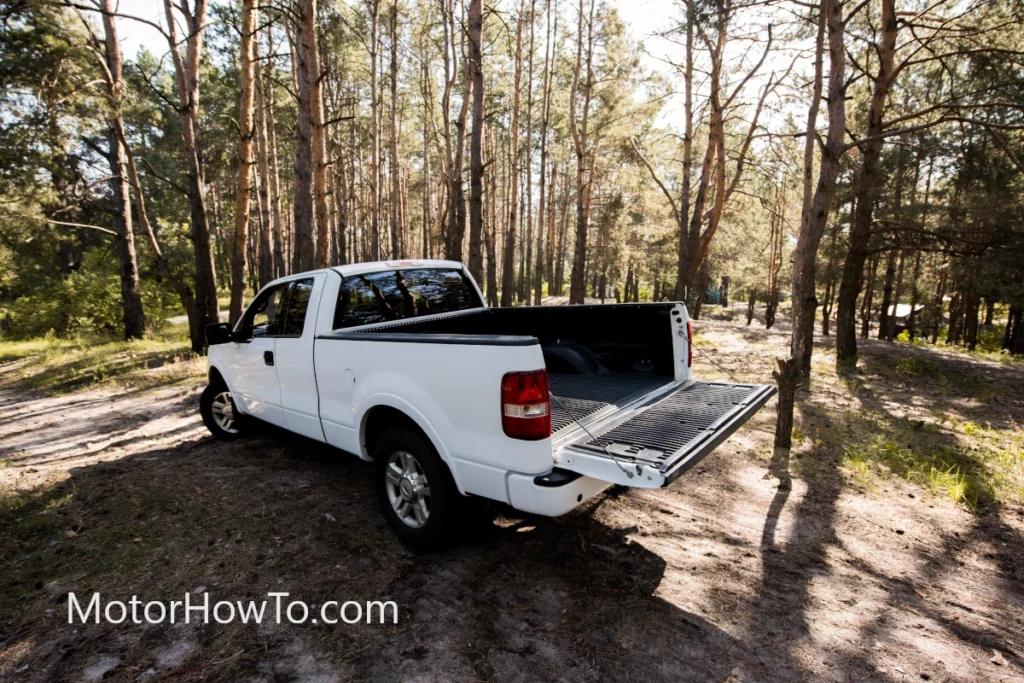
<point>52,364</point>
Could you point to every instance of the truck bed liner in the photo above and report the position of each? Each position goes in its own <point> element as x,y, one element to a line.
<point>581,396</point>
<point>675,432</point>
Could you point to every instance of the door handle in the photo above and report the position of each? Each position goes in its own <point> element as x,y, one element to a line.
<point>268,357</point>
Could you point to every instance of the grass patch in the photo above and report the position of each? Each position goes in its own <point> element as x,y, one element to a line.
<point>52,364</point>
<point>911,365</point>
<point>980,474</point>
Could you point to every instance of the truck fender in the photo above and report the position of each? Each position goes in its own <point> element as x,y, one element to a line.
<point>409,410</point>
<point>223,373</point>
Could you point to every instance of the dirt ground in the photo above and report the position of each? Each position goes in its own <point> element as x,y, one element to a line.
<point>747,569</point>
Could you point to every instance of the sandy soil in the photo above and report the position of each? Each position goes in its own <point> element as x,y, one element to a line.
<point>747,569</point>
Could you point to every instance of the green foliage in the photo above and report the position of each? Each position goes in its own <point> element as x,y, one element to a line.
<point>87,301</point>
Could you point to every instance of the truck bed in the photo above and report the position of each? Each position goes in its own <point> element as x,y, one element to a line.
<point>577,397</point>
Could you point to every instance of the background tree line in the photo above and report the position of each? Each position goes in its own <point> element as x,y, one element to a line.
<point>855,162</point>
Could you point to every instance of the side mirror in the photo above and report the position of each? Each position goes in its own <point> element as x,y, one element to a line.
<point>218,333</point>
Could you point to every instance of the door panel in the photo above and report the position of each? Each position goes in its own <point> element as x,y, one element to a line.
<point>254,362</point>
<point>294,359</point>
<point>255,381</point>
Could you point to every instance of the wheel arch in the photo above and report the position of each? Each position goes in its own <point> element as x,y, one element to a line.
<point>384,415</point>
<point>215,375</point>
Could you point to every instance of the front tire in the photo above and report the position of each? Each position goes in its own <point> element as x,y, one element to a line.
<point>414,489</point>
<point>219,413</point>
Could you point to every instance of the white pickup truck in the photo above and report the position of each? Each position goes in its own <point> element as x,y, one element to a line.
<point>402,364</point>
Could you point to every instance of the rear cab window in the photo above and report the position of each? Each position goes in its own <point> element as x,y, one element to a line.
<point>402,294</point>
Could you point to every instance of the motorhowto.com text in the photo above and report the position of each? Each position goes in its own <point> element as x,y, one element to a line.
<point>201,609</point>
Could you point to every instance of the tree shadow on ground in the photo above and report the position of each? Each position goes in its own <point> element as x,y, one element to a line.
<point>942,381</point>
<point>68,376</point>
<point>779,618</point>
<point>902,390</point>
<point>567,599</point>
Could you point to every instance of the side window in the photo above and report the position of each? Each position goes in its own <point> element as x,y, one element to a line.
<point>366,299</point>
<point>265,314</point>
<point>298,304</point>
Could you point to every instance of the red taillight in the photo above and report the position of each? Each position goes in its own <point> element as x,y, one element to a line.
<point>525,406</point>
<point>689,344</point>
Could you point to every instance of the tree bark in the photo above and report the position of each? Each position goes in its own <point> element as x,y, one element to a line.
<point>375,253</point>
<point>890,333</point>
<point>508,265</point>
<point>266,240</point>
<point>274,184</point>
<point>128,267</point>
<point>526,264</point>
<point>303,229</point>
<point>860,233</point>
<point>545,121</point>
<point>186,77</point>
<point>246,130</point>
<point>816,207</point>
<point>584,184</point>
<point>310,59</point>
<point>682,261</point>
<point>476,158</point>
<point>394,166</point>
<point>887,285</point>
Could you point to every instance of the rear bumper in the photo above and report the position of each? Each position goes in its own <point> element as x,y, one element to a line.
<point>524,493</point>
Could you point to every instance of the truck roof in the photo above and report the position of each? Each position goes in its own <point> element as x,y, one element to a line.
<point>397,264</point>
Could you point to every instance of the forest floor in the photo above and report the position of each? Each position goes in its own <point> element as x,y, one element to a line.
<point>889,548</point>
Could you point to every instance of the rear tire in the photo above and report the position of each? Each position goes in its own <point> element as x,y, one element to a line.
<point>220,415</point>
<point>415,491</point>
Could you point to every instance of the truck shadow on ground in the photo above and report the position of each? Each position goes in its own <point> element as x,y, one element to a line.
<point>530,599</point>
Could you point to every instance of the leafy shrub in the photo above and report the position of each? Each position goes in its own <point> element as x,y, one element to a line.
<point>87,301</point>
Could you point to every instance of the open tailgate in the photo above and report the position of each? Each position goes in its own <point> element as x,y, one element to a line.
<point>654,443</point>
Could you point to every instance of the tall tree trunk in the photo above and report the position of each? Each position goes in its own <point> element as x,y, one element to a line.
<point>508,266</point>
<point>186,77</point>
<point>375,254</point>
<point>303,229</point>
<point>545,120</point>
<point>489,231</point>
<point>277,220</point>
<point>243,182</point>
<point>682,261</point>
<point>476,158</point>
<point>318,133</point>
<point>456,227</point>
<point>131,296</point>
<point>860,233</point>
<point>397,226</point>
<point>526,264</point>
<point>584,184</point>
<point>867,304</point>
<point>188,302</point>
<point>428,120</point>
<point>890,333</point>
<point>890,278</point>
<point>266,241</point>
<point>813,218</point>
<point>915,297</point>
